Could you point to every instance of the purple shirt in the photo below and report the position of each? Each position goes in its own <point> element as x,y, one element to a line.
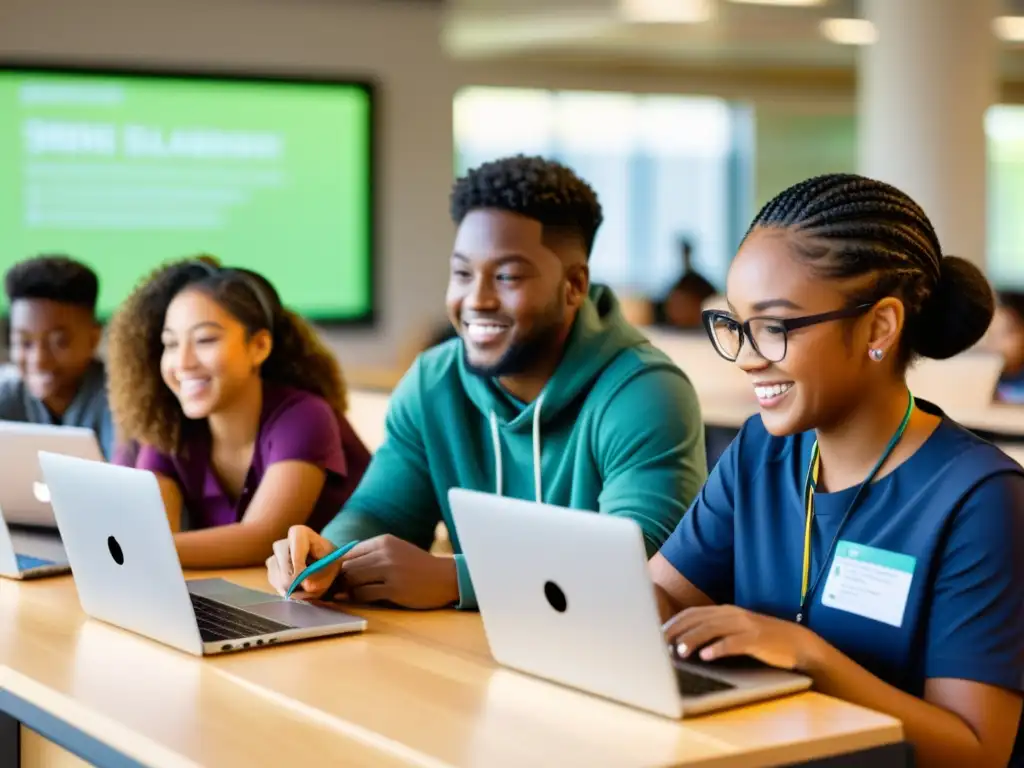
<point>294,426</point>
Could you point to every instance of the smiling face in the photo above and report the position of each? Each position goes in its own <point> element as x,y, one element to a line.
<point>52,344</point>
<point>208,357</point>
<point>826,369</point>
<point>511,297</point>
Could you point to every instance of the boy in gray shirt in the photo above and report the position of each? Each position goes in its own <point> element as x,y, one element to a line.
<point>54,335</point>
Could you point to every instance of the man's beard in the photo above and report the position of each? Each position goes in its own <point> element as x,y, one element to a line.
<point>524,354</point>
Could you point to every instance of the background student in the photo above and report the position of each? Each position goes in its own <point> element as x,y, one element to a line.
<point>236,406</point>
<point>1006,336</point>
<point>548,395</point>
<point>54,335</point>
<point>850,531</point>
<point>681,307</point>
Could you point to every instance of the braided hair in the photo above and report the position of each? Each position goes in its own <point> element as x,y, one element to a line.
<point>851,226</point>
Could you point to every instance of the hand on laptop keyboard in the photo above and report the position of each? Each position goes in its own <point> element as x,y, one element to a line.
<point>711,633</point>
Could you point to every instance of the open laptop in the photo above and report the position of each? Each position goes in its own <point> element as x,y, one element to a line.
<point>961,383</point>
<point>29,544</point>
<point>30,553</point>
<point>565,595</point>
<point>24,497</point>
<point>121,549</point>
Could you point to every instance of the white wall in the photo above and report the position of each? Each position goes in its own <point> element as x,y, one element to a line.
<point>395,43</point>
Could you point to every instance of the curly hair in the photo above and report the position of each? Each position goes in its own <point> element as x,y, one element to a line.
<point>144,409</point>
<point>53,277</point>
<point>540,189</point>
<point>854,226</point>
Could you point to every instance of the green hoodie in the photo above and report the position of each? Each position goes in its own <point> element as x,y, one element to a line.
<point>617,429</point>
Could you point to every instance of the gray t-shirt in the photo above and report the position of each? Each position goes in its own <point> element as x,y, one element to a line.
<point>88,409</point>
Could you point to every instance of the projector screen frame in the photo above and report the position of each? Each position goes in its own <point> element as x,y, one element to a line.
<point>280,75</point>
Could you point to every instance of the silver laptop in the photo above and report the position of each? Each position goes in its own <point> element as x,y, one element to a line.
<point>965,381</point>
<point>30,546</point>
<point>121,549</point>
<point>565,595</point>
<point>24,496</point>
<point>30,553</point>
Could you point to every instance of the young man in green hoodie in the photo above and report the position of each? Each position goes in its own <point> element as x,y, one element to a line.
<point>548,394</point>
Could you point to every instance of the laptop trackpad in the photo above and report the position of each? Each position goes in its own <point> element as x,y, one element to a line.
<point>225,592</point>
<point>301,614</point>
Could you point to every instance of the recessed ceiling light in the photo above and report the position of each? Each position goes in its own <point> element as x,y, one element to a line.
<point>1009,28</point>
<point>849,31</point>
<point>803,3</point>
<point>666,11</point>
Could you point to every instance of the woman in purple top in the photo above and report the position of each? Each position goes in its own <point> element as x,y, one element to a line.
<point>236,406</point>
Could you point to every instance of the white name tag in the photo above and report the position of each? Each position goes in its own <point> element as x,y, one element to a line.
<point>873,583</point>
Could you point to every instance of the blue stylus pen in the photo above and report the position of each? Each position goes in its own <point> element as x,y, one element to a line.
<point>319,565</point>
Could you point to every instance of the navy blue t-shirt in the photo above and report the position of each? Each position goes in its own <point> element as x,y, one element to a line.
<point>952,515</point>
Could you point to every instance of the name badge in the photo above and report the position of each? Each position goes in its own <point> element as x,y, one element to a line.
<point>869,582</point>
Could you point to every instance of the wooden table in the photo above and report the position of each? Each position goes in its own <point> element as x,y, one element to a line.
<point>120,700</point>
<point>415,689</point>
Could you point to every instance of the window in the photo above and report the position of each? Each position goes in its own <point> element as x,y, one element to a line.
<point>665,168</point>
<point>1005,247</point>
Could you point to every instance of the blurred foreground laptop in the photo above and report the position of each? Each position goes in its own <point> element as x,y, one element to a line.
<point>30,546</point>
<point>565,595</point>
<point>127,573</point>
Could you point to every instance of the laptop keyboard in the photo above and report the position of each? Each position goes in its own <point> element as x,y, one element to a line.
<point>27,562</point>
<point>222,622</point>
<point>695,684</point>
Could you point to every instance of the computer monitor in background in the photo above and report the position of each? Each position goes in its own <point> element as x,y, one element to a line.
<point>124,171</point>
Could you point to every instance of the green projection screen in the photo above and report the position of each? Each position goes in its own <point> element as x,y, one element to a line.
<point>124,171</point>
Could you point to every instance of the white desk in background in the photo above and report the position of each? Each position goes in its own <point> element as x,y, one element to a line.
<point>962,386</point>
<point>367,410</point>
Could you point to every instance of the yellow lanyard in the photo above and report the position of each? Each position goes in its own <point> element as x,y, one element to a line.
<point>810,484</point>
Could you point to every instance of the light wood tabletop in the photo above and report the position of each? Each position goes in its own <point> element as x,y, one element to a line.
<point>417,688</point>
<point>150,703</point>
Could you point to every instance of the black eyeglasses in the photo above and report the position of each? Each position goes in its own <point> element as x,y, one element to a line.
<point>768,335</point>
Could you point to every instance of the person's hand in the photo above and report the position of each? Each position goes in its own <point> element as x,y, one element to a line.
<point>291,555</point>
<point>719,631</point>
<point>388,568</point>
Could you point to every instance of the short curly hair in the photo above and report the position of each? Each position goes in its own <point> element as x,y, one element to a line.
<point>144,409</point>
<point>535,187</point>
<point>53,277</point>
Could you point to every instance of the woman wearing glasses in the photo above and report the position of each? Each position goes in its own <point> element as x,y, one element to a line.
<point>852,532</point>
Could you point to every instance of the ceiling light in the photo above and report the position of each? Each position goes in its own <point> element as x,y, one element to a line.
<point>1009,28</point>
<point>800,3</point>
<point>666,11</point>
<point>849,31</point>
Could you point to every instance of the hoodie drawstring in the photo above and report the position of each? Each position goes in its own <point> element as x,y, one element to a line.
<point>496,440</point>
<point>538,488</point>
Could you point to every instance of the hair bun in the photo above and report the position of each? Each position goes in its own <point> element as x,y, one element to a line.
<point>956,314</point>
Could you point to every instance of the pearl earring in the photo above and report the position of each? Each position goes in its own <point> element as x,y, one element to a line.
<point>876,354</point>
